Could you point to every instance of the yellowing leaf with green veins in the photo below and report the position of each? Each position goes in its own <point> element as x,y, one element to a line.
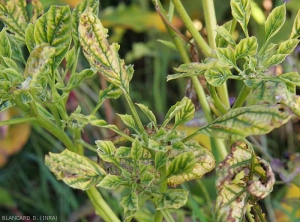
<point>130,202</point>
<point>241,11</point>
<point>185,114</point>
<point>101,55</point>
<point>54,28</point>
<point>147,112</point>
<point>110,182</point>
<point>136,151</point>
<point>246,47</point>
<point>172,199</point>
<point>288,46</point>
<point>127,120</point>
<point>274,21</point>
<point>221,42</point>
<point>242,179</point>
<point>79,9</point>
<point>292,78</point>
<point>296,27</point>
<point>161,159</point>
<point>29,37</point>
<point>217,76</point>
<point>226,55</point>
<point>16,51</point>
<point>37,10</point>
<point>75,170</point>
<point>5,47</point>
<point>225,34</point>
<point>254,120</point>
<point>13,14</point>
<point>182,164</point>
<point>106,150</point>
<point>205,162</point>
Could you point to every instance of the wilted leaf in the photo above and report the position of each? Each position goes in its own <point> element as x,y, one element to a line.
<point>130,202</point>
<point>274,21</point>
<point>241,11</point>
<point>296,27</point>
<point>54,28</point>
<point>217,76</point>
<point>246,47</point>
<point>75,170</point>
<point>174,199</point>
<point>254,120</point>
<point>13,14</point>
<point>101,55</point>
<point>110,182</point>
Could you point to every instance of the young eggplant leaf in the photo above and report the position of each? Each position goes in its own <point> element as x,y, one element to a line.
<point>111,92</point>
<point>161,159</point>
<point>242,179</point>
<point>110,182</point>
<point>274,21</point>
<point>217,76</point>
<point>226,55</point>
<point>54,28</point>
<point>185,114</point>
<point>246,47</point>
<point>78,78</point>
<point>182,164</point>
<point>16,51</point>
<point>37,10</point>
<point>29,37</point>
<point>254,120</point>
<point>296,27</point>
<point>75,170</point>
<point>5,46</point>
<point>13,14</point>
<point>221,42</point>
<point>172,199</point>
<point>130,202</point>
<point>148,113</point>
<point>241,11</point>
<point>106,150</point>
<point>101,55</point>
<point>79,9</point>
<point>136,151</point>
<point>225,34</point>
<point>127,120</point>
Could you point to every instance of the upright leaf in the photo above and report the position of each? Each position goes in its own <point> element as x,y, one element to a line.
<point>75,170</point>
<point>246,47</point>
<point>37,10</point>
<point>29,37</point>
<point>13,14</point>
<point>130,202</point>
<point>173,111</point>
<point>136,150</point>
<point>241,11</point>
<point>54,28</point>
<point>111,92</point>
<point>101,55</point>
<point>254,120</point>
<point>16,51</point>
<point>128,120</point>
<point>172,199</point>
<point>183,163</point>
<point>79,9</point>
<point>274,21</point>
<point>226,55</point>
<point>147,112</point>
<point>296,27</point>
<point>185,114</point>
<point>106,150</point>
<point>5,46</point>
<point>225,34</point>
<point>217,76</point>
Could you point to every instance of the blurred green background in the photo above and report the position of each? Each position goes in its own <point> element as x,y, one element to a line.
<point>28,188</point>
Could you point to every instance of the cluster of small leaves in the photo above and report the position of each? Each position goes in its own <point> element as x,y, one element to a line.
<point>242,180</point>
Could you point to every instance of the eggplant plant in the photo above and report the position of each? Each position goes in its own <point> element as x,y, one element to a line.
<point>152,159</point>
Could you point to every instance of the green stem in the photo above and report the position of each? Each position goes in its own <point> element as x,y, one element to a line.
<point>77,137</point>
<point>167,215</point>
<point>101,206</point>
<point>233,25</point>
<point>191,28</point>
<point>162,188</point>
<point>242,97</point>
<point>55,114</point>
<point>86,145</point>
<point>17,121</point>
<point>210,21</point>
<point>219,104</point>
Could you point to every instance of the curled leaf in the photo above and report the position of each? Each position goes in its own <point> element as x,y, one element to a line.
<point>172,199</point>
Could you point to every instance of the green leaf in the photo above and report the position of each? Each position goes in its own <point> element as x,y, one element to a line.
<point>123,152</point>
<point>241,11</point>
<point>246,47</point>
<point>78,78</point>
<point>7,104</point>
<point>13,14</point>
<point>106,150</point>
<point>29,37</point>
<point>296,27</point>
<point>79,9</point>
<point>154,145</point>
<point>147,112</point>
<point>110,182</point>
<point>37,62</point>
<point>16,50</point>
<point>111,92</point>
<point>274,21</point>
<point>147,178</point>
<point>130,202</point>
<point>217,76</point>
<point>220,41</point>
<point>101,55</point>
<point>5,47</point>
<point>75,170</point>
<point>225,34</point>
<point>127,120</point>
<point>70,58</point>
<point>185,114</point>
<point>288,46</point>
<point>226,55</point>
<point>172,199</point>
<point>161,159</point>
<point>54,28</point>
<point>6,199</point>
<point>8,63</point>
<point>254,120</point>
<point>274,60</point>
<point>174,110</point>
<point>183,163</point>
<point>269,92</point>
<point>136,150</point>
<point>292,78</point>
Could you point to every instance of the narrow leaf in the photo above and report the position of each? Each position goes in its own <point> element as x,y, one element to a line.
<point>296,27</point>
<point>78,78</point>
<point>185,114</point>
<point>160,159</point>
<point>288,46</point>
<point>174,199</point>
<point>5,46</point>
<point>173,110</point>
<point>37,10</point>
<point>16,50</point>
<point>246,47</point>
<point>54,28</point>
<point>274,21</point>
<point>147,112</point>
<point>136,150</point>
<point>29,37</point>
<point>111,92</point>
<point>254,120</point>
<point>75,170</point>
